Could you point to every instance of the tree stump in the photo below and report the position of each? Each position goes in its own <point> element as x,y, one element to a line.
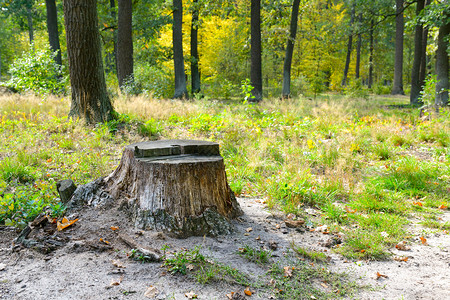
<point>179,186</point>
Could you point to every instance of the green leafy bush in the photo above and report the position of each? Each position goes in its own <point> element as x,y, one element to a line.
<point>37,71</point>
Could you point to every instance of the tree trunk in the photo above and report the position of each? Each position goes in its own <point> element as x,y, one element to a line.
<point>178,186</point>
<point>349,47</point>
<point>442,66</point>
<point>358,49</point>
<point>370,83</point>
<point>415,73</point>
<point>52,28</point>
<point>423,62</point>
<point>112,57</point>
<point>397,88</point>
<point>255,51</point>
<point>178,60</point>
<point>195,74</point>
<point>290,50</point>
<point>30,22</point>
<point>125,43</point>
<point>89,97</point>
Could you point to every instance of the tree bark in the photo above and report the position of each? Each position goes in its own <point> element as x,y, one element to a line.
<point>397,88</point>
<point>423,61</point>
<point>52,28</point>
<point>290,50</point>
<point>442,66</point>
<point>125,43</point>
<point>349,47</point>
<point>178,186</point>
<point>30,22</point>
<point>178,60</point>
<point>415,73</point>
<point>370,83</point>
<point>358,50</point>
<point>89,97</point>
<point>195,74</point>
<point>112,57</point>
<point>255,51</point>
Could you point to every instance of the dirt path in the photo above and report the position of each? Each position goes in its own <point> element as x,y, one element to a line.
<point>83,270</point>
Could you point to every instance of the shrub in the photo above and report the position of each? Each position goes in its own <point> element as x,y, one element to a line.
<point>37,71</point>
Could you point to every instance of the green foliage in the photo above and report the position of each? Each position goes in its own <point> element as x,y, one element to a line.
<point>309,254</point>
<point>36,71</point>
<point>12,169</point>
<point>428,93</point>
<point>150,128</point>
<point>259,256</point>
<point>246,90</point>
<point>356,90</point>
<point>153,80</point>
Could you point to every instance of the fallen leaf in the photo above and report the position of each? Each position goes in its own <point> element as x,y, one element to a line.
<point>190,267</point>
<point>443,207</point>
<point>402,246</point>
<point>379,275</point>
<point>114,228</point>
<point>116,281</point>
<point>362,251</point>
<point>418,203</point>
<point>191,295</point>
<point>423,240</point>
<point>278,226</point>
<point>405,258</point>
<point>2,267</point>
<point>230,296</point>
<point>151,292</point>
<point>118,264</point>
<point>294,224</point>
<point>258,238</point>
<point>324,285</point>
<point>349,210</point>
<point>249,229</point>
<point>104,241</point>
<point>247,291</point>
<point>288,271</point>
<point>64,223</point>
<point>51,220</point>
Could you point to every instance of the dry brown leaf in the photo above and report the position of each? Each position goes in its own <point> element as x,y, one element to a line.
<point>64,223</point>
<point>249,229</point>
<point>116,281</point>
<point>104,241</point>
<point>190,267</point>
<point>114,228</point>
<point>423,240</point>
<point>230,296</point>
<point>191,295</point>
<point>404,258</point>
<point>288,271</point>
<point>294,224</point>
<point>379,275</point>
<point>248,292</point>
<point>349,210</point>
<point>151,292</point>
<point>118,264</point>
<point>278,226</point>
<point>402,246</point>
<point>418,203</point>
<point>324,285</point>
<point>443,207</point>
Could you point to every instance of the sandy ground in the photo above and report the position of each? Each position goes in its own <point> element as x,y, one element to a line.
<point>83,268</point>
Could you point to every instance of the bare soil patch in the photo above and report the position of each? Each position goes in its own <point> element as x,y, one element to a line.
<point>83,267</point>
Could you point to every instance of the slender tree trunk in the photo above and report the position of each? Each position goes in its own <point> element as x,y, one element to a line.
<point>178,60</point>
<point>349,47</point>
<point>397,88</point>
<point>89,97</point>
<point>290,50</point>
<point>195,74</point>
<point>125,43</point>
<point>358,49</point>
<point>255,51</point>
<point>52,28</point>
<point>415,73</point>
<point>30,22</point>
<point>423,62</point>
<point>112,57</point>
<point>370,83</point>
<point>442,66</point>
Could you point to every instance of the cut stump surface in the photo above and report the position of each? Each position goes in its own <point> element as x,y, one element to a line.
<point>179,186</point>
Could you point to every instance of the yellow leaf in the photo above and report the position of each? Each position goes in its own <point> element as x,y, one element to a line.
<point>11,206</point>
<point>64,223</point>
<point>247,291</point>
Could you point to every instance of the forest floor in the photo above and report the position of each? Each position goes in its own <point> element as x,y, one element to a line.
<point>86,268</point>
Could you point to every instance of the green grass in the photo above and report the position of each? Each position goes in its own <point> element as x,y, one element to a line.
<point>365,165</point>
<point>309,254</point>
<point>258,256</point>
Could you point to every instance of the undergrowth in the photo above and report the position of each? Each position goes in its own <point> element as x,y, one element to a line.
<point>365,165</point>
